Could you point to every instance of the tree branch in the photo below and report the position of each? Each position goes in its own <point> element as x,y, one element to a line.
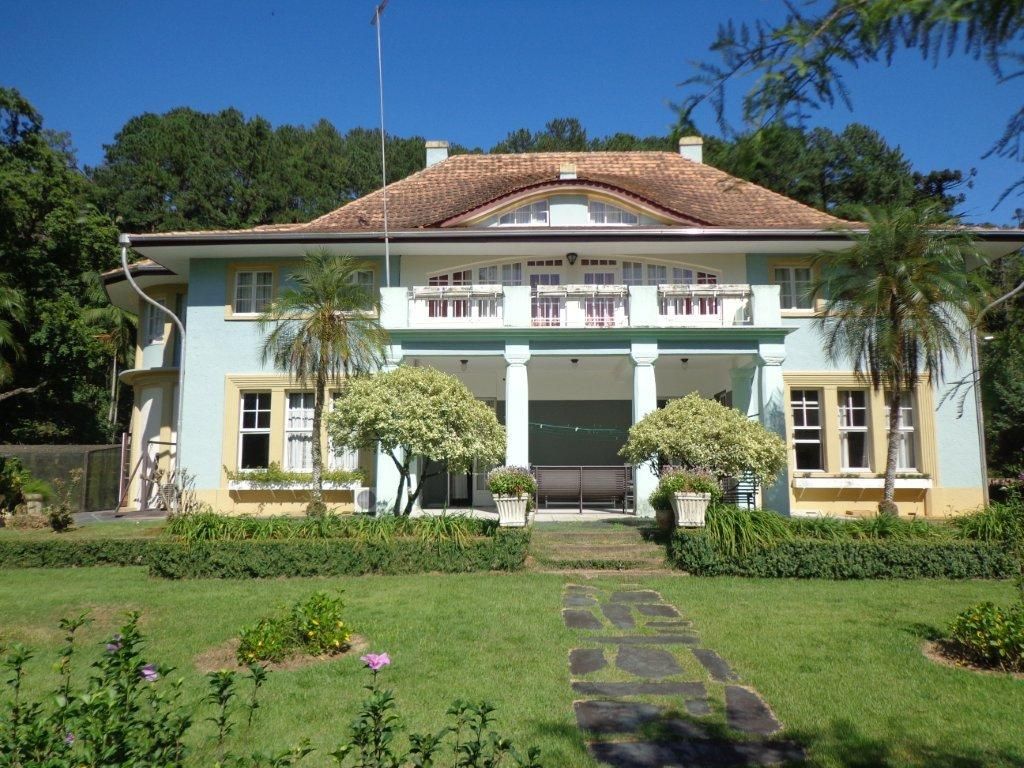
<point>21,391</point>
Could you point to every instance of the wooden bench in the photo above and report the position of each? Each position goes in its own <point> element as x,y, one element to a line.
<point>584,484</point>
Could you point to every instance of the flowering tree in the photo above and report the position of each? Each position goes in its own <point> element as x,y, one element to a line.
<point>698,433</point>
<point>417,413</point>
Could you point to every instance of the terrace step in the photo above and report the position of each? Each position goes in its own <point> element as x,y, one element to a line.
<point>595,547</point>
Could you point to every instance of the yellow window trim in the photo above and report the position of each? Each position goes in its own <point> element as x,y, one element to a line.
<point>829,383</point>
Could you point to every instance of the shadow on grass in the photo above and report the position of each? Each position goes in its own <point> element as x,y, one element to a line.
<point>924,631</point>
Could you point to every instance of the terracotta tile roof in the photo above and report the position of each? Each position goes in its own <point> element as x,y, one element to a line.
<point>694,193</point>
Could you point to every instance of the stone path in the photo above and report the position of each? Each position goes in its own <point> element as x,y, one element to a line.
<point>640,710</point>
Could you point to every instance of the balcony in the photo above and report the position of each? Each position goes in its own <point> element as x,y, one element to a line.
<point>580,306</point>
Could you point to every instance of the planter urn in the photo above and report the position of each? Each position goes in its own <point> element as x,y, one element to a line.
<point>511,510</point>
<point>690,509</point>
<point>34,503</point>
<point>666,519</point>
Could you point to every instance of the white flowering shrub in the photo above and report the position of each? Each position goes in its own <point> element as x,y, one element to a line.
<point>697,433</point>
<point>417,413</point>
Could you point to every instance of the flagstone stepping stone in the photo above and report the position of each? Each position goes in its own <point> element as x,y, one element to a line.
<point>714,753</point>
<point>609,717</point>
<point>578,600</point>
<point>715,665</point>
<point>580,588</point>
<point>669,626</point>
<point>686,690</point>
<point>649,639</point>
<point>583,661</point>
<point>620,615</point>
<point>580,619</point>
<point>647,662</point>
<point>637,596</point>
<point>746,712</point>
<point>661,609</point>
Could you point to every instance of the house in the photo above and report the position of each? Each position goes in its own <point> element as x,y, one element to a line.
<point>574,292</point>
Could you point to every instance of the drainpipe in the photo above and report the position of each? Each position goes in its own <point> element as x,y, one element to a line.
<point>126,242</point>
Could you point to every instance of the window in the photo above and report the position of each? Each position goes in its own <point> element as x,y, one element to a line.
<point>806,408</point>
<point>599,278</point>
<point>254,431</point>
<point>253,291</point>
<point>794,287</point>
<point>531,215</point>
<point>505,274</point>
<point>632,273</point>
<point>154,328</point>
<point>298,432</point>
<point>853,429</point>
<point>906,458</point>
<point>656,274</point>
<point>606,213</point>
<point>346,459</point>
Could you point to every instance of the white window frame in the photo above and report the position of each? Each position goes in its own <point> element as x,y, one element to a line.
<point>535,214</point>
<point>604,214</point>
<point>803,404</point>
<point>847,412</point>
<point>257,304</point>
<point>908,432</point>
<point>347,460</point>
<point>291,431</point>
<point>501,274</point>
<point>153,332</point>
<point>255,430</point>
<point>785,276</point>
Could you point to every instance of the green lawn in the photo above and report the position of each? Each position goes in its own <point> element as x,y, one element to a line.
<point>839,662</point>
<point>116,529</point>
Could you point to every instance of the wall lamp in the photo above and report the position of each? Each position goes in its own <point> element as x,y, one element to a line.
<point>572,258</point>
<point>574,360</point>
<point>463,364</point>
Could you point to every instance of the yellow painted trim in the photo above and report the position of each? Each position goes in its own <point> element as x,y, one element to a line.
<point>229,288</point>
<point>819,303</point>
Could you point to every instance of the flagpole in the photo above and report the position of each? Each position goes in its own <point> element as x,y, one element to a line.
<point>375,21</point>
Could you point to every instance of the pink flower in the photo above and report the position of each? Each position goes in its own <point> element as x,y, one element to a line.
<point>114,645</point>
<point>149,673</point>
<point>375,661</point>
<point>69,739</point>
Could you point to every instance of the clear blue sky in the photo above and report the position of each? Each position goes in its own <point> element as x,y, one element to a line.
<point>464,70</point>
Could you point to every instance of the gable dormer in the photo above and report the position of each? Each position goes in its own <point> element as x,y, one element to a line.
<point>562,206</point>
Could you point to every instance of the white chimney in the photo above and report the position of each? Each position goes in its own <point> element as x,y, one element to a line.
<point>436,152</point>
<point>567,171</point>
<point>692,148</point>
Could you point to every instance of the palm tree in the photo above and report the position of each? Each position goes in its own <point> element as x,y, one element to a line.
<point>897,305</point>
<point>115,330</point>
<point>321,328</point>
<point>12,312</point>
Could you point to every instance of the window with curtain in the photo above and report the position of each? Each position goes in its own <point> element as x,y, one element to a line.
<point>341,459</point>
<point>254,290</point>
<point>530,215</point>
<point>794,287</point>
<point>298,432</point>
<point>907,455</point>
<point>153,331</point>
<point>606,213</point>
<point>853,429</point>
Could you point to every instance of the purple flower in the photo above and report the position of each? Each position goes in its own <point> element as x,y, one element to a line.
<point>69,738</point>
<point>149,673</point>
<point>115,644</point>
<point>375,661</point>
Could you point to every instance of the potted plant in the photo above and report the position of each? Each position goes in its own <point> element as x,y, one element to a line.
<point>513,489</point>
<point>686,494</point>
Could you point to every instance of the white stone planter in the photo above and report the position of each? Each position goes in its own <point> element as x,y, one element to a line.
<point>33,503</point>
<point>511,510</point>
<point>690,509</point>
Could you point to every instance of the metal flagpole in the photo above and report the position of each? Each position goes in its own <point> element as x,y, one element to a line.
<point>375,21</point>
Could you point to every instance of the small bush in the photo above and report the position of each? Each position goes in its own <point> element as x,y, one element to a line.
<point>1001,521</point>
<point>59,514</point>
<point>63,552</point>
<point>735,531</point>
<point>313,626</point>
<point>989,636</point>
<point>684,481</point>
<point>511,481</point>
<point>275,477</point>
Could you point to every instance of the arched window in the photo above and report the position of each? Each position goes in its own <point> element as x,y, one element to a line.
<point>531,215</point>
<point>606,213</point>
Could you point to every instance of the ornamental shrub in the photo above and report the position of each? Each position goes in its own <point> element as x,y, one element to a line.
<point>990,636</point>
<point>684,481</point>
<point>511,481</point>
<point>312,626</point>
<point>696,433</point>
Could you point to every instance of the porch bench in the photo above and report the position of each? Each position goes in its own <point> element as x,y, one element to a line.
<point>581,484</point>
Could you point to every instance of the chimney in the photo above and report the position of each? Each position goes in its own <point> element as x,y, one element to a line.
<point>436,152</point>
<point>692,148</point>
<point>567,171</point>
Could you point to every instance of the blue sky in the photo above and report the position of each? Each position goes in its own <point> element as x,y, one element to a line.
<point>468,71</point>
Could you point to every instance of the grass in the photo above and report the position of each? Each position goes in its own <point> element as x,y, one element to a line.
<point>119,529</point>
<point>838,661</point>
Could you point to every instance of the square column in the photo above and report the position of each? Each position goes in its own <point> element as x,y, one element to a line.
<point>645,400</point>
<point>517,405</point>
<point>772,396</point>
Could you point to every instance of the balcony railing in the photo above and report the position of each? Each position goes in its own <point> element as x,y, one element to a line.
<point>452,306</point>
<point>701,305</point>
<point>580,306</point>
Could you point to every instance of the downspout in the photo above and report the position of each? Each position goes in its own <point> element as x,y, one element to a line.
<point>126,242</point>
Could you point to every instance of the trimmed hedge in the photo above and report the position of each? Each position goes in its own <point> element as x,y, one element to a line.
<point>505,551</point>
<point>865,559</point>
<point>73,553</point>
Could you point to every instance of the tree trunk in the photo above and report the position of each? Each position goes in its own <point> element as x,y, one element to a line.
<point>413,495</point>
<point>316,493</point>
<point>888,505</point>
<point>403,477</point>
<point>112,411</point>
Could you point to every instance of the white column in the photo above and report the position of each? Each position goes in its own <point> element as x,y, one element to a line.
<point>386,473</point>
<point>645,400</point>
<point>517,405</point>
<point>772,396</point>
<point>745,398</point>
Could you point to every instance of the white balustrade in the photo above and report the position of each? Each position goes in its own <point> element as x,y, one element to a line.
<point>454,306</point>
<point>703,305</point>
